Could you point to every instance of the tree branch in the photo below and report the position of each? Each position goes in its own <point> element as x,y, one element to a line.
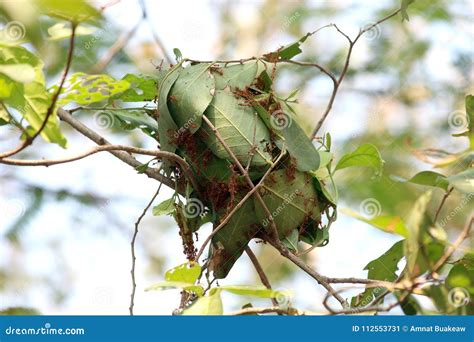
<point>337,83</point>
<point>260,271</point>
<point>315,275</point>
<point>123,156</point>
<point>452,248</point>
<point>443,200</point>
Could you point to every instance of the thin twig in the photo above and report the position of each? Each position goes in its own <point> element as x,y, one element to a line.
<point>101,148</point>
<point>273,231</point>
<point>132,247</point>
<point>261,273</point>
<point>117,47</point>
<point>315,275</point>
<point>260,311</point>
<point>443,200</point>
<point>123,156</point>
<point>451,249</point>
<point>156,39</point>
<point>337,84</point>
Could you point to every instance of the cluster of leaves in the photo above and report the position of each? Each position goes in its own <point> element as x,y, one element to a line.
<point>425,240</point>
<point>250,120</point>
<point>185,277</point>
<point>22,83</point>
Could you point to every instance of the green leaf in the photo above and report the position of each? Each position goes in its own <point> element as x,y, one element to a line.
<point>62,31</point>
<point>208,305</point>
<point>386,266</point>
<point>410,305</point>
<point>164,208</point>
<point>85,89</point>
<point>460,276</point>
<point>206,166</point>
<point>326,185</point>
<point>314,235</point>
<point>328,141</point>
<point>267,119</point>
<point>388,224</point>
<point>383,268</point>
<point>405,4</point>
<point>178,55</point>
<point>10,89</point>
<point>142,88</point>
<point>417,226</point>
<point>291,241</point>
<point>463,181</point>
<point>288,51</point>
<point>365,155</point>
<point>19,311</point>
<point>255,291</point>
<point>291,199</point>
<point>166,125</point>
<point>190,95</point>
<point>36,107</point>
<point>239,127</point>
<point>135,119</point>
<point>439,295</point>
<point>470,117</point>
<point>229,242</point>
<point>31,99</point>
<point>4,116</point>
<point>430,178</point>
<point>467,261</point>
<point>237,76</point>
<point>23,73</point>
<point>188,272</point>
<point>300,147</point>
<point>324,158</point>
<point>165,285</point>
<point>71,10</point>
